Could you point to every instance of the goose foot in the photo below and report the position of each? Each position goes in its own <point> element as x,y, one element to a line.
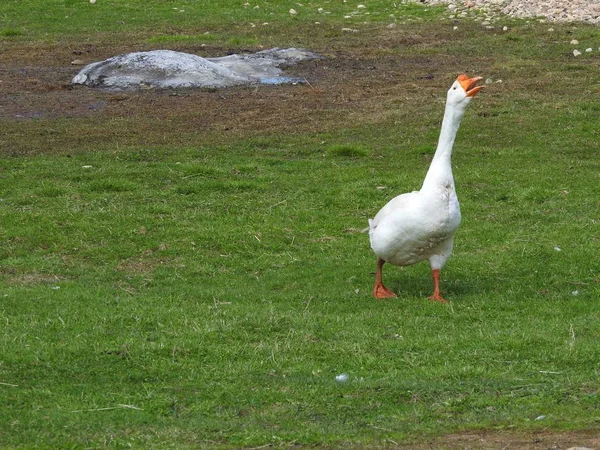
<point>437,298</point>
<point>380,292</point>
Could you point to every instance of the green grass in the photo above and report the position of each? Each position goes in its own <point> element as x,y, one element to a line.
<point>176,287</point>
<point>54,18</point>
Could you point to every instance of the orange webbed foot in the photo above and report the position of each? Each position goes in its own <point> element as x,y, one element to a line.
<point>438,298</point>
<point>381,292</point>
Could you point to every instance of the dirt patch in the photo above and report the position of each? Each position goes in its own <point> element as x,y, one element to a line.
<point>504,440</point>
<point>521,441</point>
<point>29,279</point>
<point>42,113</point>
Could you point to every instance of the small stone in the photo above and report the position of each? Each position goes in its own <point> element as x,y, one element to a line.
<point>361,6</point>
<point>589,50</point>
<point>540,417</point>
<point>77,62</point>
<point>320,10</point>
<point>92,2</point>
<point>575,293</point>
<point>455,28</point>
<point>574,42</point>
<point>352,30</point>
<point>485,22</point>
<point>391,25</point>
<point>576,53</point>
<point>341,378</point>
<point>504,28</point>
<point>557,249</point>
<point>293,12</point>
<point>550,30</point>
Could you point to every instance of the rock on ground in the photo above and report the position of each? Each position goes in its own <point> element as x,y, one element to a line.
<point>170,69</point>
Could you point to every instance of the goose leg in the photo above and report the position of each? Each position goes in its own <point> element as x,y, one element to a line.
<point>379,290</point>
<point>437,297</point>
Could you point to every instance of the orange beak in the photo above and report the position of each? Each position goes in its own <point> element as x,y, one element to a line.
<point>469,84</point>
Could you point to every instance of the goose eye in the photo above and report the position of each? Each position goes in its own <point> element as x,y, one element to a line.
<point>454,88</point>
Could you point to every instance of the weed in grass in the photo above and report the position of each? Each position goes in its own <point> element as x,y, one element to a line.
<point>348,151</point>
<point>10,32</point>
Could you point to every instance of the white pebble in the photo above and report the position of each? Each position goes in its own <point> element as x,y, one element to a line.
<point>574,42</point>
<point>341,378</point>
<point>575,293</point>
<point>92,1</point>
<point>293,12</point>
<point>320,10</point>
<point>576,53</point>
<point>540,417</point>
<point>589,50</point>
<point>361,6</point>
<point>558,249</point>
<point>550,30</point>
<point>504,28</point>
<point>455,28</point>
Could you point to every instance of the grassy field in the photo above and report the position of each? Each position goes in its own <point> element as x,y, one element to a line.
<point>185,269</point>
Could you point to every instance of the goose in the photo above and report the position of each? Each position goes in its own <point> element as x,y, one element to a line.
<point>420,225</point>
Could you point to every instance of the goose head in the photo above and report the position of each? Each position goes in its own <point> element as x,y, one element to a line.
<point>463,90</point>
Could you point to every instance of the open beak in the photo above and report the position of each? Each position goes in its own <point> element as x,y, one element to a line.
<point>470,84</point>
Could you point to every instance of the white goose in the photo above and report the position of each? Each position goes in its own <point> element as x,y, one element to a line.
<point>420,225</point>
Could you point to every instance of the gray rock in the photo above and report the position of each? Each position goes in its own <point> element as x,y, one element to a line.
<point>170,69</point>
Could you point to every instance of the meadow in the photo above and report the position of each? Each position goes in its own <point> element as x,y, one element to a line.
<point>186,268</point>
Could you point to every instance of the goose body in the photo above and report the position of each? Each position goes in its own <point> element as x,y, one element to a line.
<point>420,225</point>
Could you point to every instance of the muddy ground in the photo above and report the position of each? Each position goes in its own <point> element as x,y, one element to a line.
<point>41,113</point>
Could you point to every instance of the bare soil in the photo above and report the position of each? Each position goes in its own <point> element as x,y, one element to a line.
<point>546,440</point>
<point>43,113</point>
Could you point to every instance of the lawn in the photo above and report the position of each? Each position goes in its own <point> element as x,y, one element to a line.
<point>186,269</point>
